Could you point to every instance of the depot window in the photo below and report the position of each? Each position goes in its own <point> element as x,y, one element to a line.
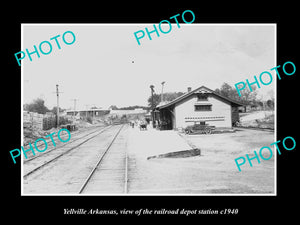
<point>202,97</point>
<point>202,107</point>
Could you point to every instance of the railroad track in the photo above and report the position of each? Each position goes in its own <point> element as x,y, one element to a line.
<point>99,165</point>
<point>49,150</point>
<point>110,173</point>
<point>54,155</point>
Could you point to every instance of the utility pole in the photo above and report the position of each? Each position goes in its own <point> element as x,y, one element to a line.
<point>152,105</point>
<point>57,106</point>
<point>93,112</point>
<point>86,112</point>
<point>162,91</point>
<point>74,99</point>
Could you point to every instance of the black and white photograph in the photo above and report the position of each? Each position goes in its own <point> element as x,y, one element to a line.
<point>148,112</point>
<point>133,110</point>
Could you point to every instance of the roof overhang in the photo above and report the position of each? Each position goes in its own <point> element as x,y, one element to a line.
<point>200,90</point>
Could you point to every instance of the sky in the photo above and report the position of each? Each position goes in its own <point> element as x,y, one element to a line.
<point>105,65</point>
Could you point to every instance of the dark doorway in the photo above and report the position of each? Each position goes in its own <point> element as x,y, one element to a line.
<point>165,119</point>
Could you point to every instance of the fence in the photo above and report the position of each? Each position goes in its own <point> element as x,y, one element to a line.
<point>41,121</point>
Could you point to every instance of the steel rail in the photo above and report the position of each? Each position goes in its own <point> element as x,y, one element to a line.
<point>126,174</point>
<point>73,140</point>
<point>98,162</point>
<point>60,155</point>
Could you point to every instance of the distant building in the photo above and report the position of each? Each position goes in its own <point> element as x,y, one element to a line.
<point>127,111</point>
<point>97,113</point>
<point>93,113</point>
<point>129,114</point>
<point>201,105</point>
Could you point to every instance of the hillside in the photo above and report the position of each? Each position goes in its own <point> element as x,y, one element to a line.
<point>260,119</point>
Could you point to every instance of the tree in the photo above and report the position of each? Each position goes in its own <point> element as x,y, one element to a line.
<point>113,107</point>
<point>260,103</point>
<point>247,96</point>
<point>168,96</point>
<point>54,111</point>
<point>38,105</point>
<point>226,90</point>
<point>134,107</point>
<point>270,103</point>
<point>156,100</point>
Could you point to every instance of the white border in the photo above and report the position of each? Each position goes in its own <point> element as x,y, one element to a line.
<point>143,24</point>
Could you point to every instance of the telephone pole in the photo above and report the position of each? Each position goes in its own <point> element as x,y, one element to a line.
<point>162,91</point>
<point>74,99</point>
<point>152,105</point>
<point>57,105</point>
<point>86,112</point>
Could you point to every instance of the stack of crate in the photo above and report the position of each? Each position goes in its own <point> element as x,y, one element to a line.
<point>49,122</point>
<point>26,120</point>
<point>33,120</point>
<point>37,120</point>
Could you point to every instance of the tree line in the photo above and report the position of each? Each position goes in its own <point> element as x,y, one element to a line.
<point>38,106</point>
<point>247,98</point>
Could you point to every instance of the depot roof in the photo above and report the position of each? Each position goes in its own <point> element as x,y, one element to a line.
<point>201,89</point>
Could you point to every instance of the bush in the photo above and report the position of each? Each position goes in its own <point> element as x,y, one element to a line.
<point>64,120</point>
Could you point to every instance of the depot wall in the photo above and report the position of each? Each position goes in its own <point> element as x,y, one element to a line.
<point>219,116</point>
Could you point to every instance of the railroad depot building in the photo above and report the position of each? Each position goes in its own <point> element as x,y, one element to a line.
<point>202,105</point>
